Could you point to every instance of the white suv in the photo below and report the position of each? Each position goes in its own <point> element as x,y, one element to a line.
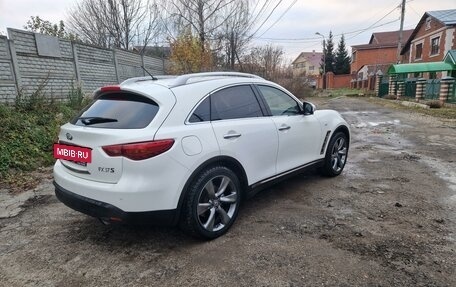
<point>186,150</point>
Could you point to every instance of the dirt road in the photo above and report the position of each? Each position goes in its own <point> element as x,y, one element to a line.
<point>388,220</point>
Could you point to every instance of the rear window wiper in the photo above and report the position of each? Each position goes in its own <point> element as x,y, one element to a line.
<point>95,120</point>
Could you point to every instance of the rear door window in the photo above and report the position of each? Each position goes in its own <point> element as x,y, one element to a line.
<point>234,103</point>
<point>118,111</point>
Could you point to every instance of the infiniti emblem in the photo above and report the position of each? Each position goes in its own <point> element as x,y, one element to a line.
<point>69,136</point>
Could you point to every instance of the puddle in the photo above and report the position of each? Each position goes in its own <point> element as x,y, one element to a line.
<point>444,170</point>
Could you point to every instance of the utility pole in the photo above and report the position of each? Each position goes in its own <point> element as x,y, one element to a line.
<point>324,58</point>
<point>399,44</point>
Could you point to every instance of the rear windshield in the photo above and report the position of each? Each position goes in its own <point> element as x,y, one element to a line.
<point>118,111</point>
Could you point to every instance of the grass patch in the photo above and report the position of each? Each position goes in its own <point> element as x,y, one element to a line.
<point>28,130</point>
<point>445,112</point>
<point>344,92</point>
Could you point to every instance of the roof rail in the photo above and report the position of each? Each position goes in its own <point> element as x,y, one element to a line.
<point>182,80</point>
<point>146,78</point>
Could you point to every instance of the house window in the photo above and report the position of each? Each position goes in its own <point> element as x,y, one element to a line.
<point>428,24</point>
<point>435,45</point>
<point>418,51</point>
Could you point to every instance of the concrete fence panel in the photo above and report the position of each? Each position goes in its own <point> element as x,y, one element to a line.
<point>7,80</point>
<point>32,62</point>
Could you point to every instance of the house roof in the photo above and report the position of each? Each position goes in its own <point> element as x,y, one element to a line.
<point>420,67</point>
<point>381,40</point>
<point>390,37</point>
<point>373,46</point>
<point>311,57</point>
<point>450,57</point>
<point>446,17</point>
<point>154,51</point>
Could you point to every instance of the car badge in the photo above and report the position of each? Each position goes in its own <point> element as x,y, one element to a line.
<point>69,136</point>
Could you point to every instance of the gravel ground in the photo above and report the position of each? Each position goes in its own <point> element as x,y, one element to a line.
<point>388,220</point>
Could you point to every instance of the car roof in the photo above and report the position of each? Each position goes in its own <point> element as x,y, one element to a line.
<point>191,87</point>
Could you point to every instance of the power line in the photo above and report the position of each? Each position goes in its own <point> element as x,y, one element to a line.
<point>267,18</point>
<point>281,16</point>
<point>260,12</point>
<point>315,39</point>
<point>370,27</point>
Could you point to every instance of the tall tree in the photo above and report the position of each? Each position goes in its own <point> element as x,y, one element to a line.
<point>187,56</point>
<point>342,62</point>
<point>328,57</point>
<point>39,25</point>
<point>115,23</point>
<point>234,35</point>
<point>225,25</point>
<point>202,17</point>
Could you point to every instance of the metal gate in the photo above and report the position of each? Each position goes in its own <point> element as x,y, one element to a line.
<point>410,88</point>
<point>432,89</point>
<point>452,94</point>
<point>383,87</point>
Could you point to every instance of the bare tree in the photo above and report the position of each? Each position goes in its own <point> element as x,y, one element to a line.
<point>265,61</point>
<point>234,34</point>
<point>115,23</point>
<point>203,17</point>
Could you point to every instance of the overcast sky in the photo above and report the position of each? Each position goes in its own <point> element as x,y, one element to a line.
<point>293,30</point>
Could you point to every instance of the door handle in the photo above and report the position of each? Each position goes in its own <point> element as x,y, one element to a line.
<point>284,128</point>
<point>231,136</point>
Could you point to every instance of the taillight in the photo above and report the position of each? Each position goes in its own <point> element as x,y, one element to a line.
<point>114,88</point>
<point>139,151</point>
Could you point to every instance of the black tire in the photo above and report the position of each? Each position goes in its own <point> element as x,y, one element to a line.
<point>212,203</point>
<point>336,155</point>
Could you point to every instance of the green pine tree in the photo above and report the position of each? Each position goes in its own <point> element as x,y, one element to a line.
<point>342,61</point>
<point>328,54</point>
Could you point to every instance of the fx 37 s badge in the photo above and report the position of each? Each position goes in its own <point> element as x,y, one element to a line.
<point>106,169</point>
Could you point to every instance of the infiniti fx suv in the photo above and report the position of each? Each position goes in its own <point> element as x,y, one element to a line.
<point>186,150</point>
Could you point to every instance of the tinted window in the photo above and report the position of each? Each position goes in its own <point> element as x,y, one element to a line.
<point>131,111</point>
<point>279,102</point>
<point>202,112</point>
<point>234,103</point>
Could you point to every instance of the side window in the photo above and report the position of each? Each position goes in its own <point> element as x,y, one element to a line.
<point>202,112</point>
<point>279,102</point>
<point>234,103</point>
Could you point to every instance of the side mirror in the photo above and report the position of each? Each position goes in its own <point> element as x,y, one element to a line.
<point>308,108</point>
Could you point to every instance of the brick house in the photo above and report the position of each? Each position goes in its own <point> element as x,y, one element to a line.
<point>432,38</point>
<point>307,64</point>
<point>378,54</point>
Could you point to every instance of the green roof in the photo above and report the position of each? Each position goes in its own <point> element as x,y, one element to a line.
<point>450,57</point>
<point>421,67</point>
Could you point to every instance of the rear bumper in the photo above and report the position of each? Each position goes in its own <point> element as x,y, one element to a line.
<point>111,213</point>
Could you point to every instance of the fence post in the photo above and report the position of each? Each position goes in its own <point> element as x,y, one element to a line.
<point>392,85</point>
<point>420,89</point>
<point>445,88</point>
<point>144,65</point>
<point>17,74</point>
<point>400,90</point>
<point>116,65</point>
<point>378,80</point>
<point>76,62</point>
